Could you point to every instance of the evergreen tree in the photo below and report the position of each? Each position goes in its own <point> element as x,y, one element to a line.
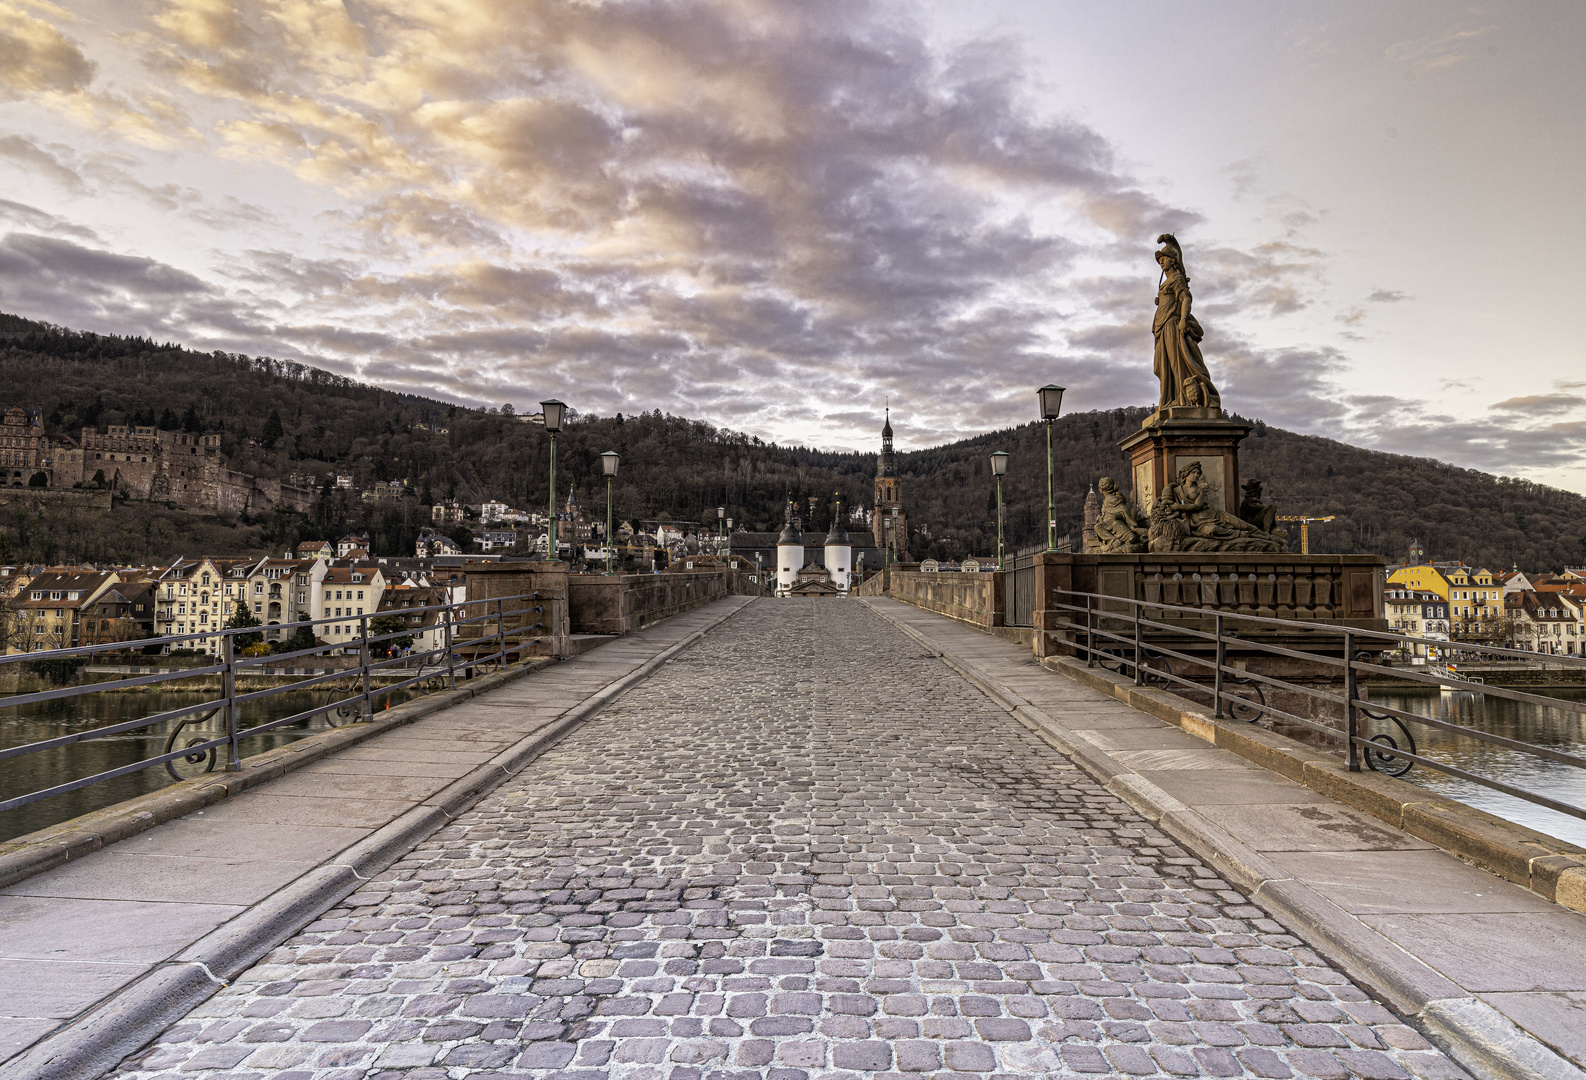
<point>241,619</point>
<point>273,430</point>
<point>190,420</point>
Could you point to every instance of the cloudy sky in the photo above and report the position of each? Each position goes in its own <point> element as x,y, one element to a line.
<point>777,215</point>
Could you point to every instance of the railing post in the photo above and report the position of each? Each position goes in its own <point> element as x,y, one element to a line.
<point>1222,659</point>
<point>501,632</point>
<point>1351,716</point>
<point>451,664</point>
<point>229,678</point>
<point>1090,631</point>
<point>368,702</point>
<point>1139,645</point>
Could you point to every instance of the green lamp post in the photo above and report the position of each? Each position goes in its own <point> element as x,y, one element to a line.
<point>608,464</point>
<point>999,466</point>
<point>1051,403</point>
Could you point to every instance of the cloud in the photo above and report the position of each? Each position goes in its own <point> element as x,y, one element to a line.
<point>1436,52</point>
<point>767,215</point>
<point>1387,296</point>
<point>1541,404</point>
<point>36,58</point>
<point>30,217</point>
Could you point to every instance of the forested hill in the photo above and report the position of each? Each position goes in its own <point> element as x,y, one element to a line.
<point>278,418</point>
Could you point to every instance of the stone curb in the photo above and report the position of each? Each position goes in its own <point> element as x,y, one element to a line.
<point>33,853</point>
<point>95,1043</point>
<point>1472,1032</point>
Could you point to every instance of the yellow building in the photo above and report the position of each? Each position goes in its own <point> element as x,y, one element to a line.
<point>1475,600</point>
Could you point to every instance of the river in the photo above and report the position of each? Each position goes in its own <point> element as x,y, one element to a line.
<point>47,720</point>
<point>1558,729</point>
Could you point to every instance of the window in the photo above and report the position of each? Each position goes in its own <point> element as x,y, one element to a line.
<point>258,588</point>
<point>183,591</point>
<point>206,581</point>
<point>73,595</point>
<point>55,596</point>
<point>258,608</point>
<point>37,596</point>
<point>360,596</point>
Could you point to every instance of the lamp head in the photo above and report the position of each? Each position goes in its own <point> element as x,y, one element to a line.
<point>553,411</point>
<point>1051,401</point>
<point>999,463</point>
<point>609,462</point>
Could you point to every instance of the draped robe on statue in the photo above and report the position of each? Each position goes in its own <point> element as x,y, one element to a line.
<point>1178,362</point>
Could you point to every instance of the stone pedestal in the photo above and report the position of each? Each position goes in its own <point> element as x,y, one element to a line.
<point>1171,438</point>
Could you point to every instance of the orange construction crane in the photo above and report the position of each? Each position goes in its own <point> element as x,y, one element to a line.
<point>1305,529</point>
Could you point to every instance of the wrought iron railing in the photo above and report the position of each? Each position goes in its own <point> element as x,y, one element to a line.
<point>474,636</point>
<point>1145,640</point>
<point>1021,588</point>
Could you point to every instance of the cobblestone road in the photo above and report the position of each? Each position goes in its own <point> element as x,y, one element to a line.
<point>802,849</point>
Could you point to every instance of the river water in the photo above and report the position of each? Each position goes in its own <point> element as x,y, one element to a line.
<point>1558,729</point>
<point>34,772</point>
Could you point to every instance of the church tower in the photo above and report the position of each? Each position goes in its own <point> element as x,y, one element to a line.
<point>889,524</point>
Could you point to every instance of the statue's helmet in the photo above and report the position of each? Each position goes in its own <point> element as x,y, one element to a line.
<point>1170,249</point>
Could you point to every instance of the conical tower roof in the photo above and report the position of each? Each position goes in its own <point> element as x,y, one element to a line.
<point>838,537</point>
<point>790,536</point>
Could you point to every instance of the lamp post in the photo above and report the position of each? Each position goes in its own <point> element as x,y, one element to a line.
<point>608,464</point>
<point>895,546</point>
<point>999,465</point>
<point>552,411</point>
<point>721,527</point>
<point>1051,402</point>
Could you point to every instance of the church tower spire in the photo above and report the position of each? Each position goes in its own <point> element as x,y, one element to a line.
<point>889,524</point>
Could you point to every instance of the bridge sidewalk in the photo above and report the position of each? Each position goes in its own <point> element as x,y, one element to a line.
<point>111,946</point>
<point>1493,972</point>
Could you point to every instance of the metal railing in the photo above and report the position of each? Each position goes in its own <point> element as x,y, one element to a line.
<point>473,635</point>
<point>1021,588</point>
<point>1144,640</point>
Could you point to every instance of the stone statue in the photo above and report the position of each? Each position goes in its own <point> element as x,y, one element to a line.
<point>1117,529</point>
<point>1183,519</point>
<point>1252,510</point>
<point>1178,363</point>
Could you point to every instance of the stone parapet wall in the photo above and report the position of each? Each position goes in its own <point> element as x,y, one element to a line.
<point>975,599</point>
<point>83,499</point>
<point>623,603</point>
<point>533,633</point>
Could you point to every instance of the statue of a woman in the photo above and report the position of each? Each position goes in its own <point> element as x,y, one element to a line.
<point>1117,529</point>
<point>1190,499</point>
<point>1178,362</point>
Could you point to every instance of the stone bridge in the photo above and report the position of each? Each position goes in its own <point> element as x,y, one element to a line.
<point>784,839</point>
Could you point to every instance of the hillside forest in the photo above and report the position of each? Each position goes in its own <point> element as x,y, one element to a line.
<point>279,418</point>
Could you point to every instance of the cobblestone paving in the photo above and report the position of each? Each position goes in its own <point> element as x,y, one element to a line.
<point>802,849</point>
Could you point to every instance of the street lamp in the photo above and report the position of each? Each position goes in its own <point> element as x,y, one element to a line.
<point>999,465</point>
<point>1051,402</point>
<point>552,411</point>
<point>608,464</point>
<point>721,517</point>
<point>895,546</point>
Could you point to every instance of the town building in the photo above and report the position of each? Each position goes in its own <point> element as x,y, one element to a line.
<point>49,612</point>
<point>123,612</point>
<point>1545,623</point>
<point>889,522</point>
<point>1475,600</point>
<point>1416,613</point>
<point>428,627</point>
<point>447,513</point>
<point>431,543</point>
<point>345,595</point>
<point>491,539</point>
